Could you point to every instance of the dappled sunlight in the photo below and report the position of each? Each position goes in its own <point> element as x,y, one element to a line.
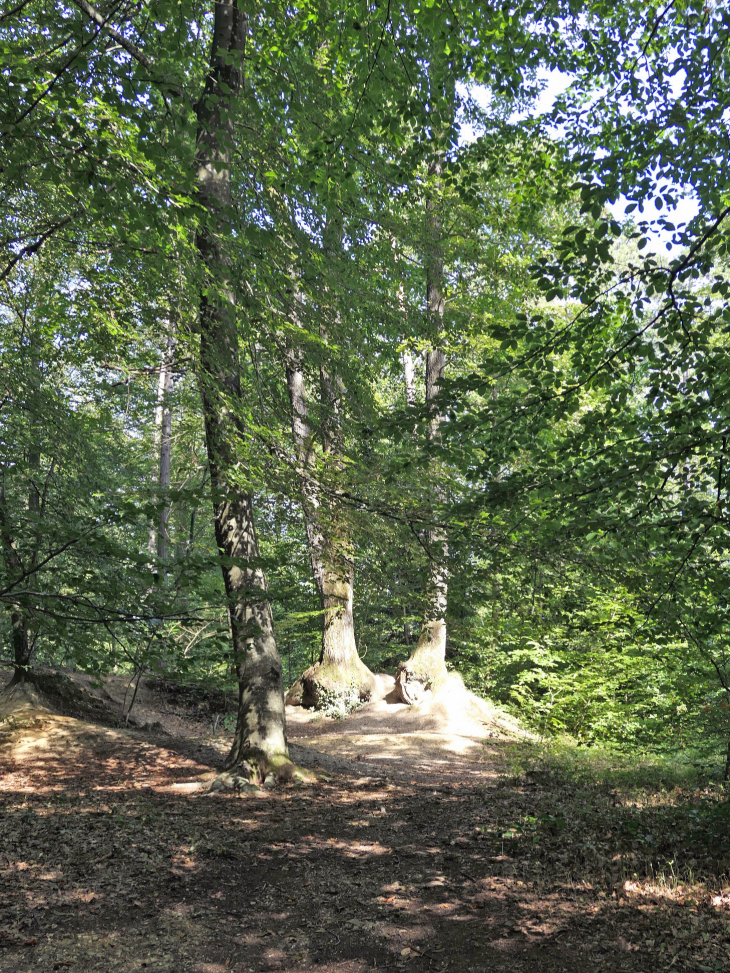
<point>399,748</point>
<point>351,849</point>
<point>57,751</point>
<point>444,735</point>
<point>116,859</point>
<point>722,901</point>
<point>673,891</point>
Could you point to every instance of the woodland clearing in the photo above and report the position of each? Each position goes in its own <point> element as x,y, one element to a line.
<point>419,847</point>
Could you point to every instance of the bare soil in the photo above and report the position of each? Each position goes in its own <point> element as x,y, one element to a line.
<point>418,849</point>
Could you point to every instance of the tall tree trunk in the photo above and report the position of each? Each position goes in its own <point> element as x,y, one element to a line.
<point>409,377</point>
<point>260,736</point>
<point>159,538</point>
<point>339,671</point>
<point>426,667</point>
<point>21,640</point>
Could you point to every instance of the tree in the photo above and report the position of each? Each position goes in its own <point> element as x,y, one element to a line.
<point>339,670</point>
<point>260,729</point>
<point>426,666</point>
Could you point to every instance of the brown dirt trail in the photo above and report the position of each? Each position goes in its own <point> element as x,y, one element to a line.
<point>411,853</point>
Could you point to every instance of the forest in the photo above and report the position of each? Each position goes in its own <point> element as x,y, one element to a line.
<point>360,347</point>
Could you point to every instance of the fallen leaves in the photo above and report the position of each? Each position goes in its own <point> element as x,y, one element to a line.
<point>481,875</point>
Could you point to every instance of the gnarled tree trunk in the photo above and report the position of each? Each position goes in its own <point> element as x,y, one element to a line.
<point>260,738</point>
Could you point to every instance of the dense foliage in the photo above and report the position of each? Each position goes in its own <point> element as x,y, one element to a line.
<point>581,472</point>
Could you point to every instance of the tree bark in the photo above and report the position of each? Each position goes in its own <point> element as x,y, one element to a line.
<point>409,379</point>
<point>159,537</point>
<point>339,670</point>
<point>21,644</point>
<point>426,666</point>
<point>260,737</point>
<point>21,640</point>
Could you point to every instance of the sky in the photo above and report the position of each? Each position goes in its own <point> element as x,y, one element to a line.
<point>555,84</point>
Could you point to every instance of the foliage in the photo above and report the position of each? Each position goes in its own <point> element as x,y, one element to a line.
<point>582,468</point>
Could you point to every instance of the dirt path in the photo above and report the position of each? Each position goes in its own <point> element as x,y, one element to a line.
<point>414,852</point>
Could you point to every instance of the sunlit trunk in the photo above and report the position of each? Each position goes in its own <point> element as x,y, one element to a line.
<point>409,378</point>
<point>339,669</point>
<point>159,537</point>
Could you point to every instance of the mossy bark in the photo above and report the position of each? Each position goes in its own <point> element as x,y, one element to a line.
<point>256,769</point>
<point>340,670</point>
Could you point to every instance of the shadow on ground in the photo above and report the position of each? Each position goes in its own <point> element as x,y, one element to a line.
<point>113,859</point>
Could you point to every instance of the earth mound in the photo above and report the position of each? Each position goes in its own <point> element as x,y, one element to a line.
<point>445,732</point>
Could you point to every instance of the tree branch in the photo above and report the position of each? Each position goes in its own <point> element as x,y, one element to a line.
<point>32,248</point>
<point>99,19</point>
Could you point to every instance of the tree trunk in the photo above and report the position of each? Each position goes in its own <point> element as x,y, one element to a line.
<point>339,672</point>
<point>409,379</point>
<point>21,641</point>
<point>426,667</point>
<point>159,537</point>
<point>260,737</point>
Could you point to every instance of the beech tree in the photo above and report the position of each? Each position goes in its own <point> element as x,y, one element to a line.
<point>426,666</point>
<point>261,727</point>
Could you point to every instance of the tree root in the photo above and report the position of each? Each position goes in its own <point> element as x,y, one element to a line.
<point>412,684</point>
<point>325,686</point>
<point>256,770</point>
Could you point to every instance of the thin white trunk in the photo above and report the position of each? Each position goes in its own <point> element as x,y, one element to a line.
<point>409,378</point>
<point>159,533</point>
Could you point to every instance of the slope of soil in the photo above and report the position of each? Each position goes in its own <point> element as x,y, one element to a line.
<point>443,737</point>
<point>413,852</point>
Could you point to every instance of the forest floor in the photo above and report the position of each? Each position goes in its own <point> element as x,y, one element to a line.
<point>438,841</point>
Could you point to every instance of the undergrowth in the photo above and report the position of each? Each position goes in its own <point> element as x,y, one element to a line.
<point>659,822</point>
<point>338,703</point>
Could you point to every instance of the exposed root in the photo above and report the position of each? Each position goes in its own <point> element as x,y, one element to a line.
<point>256,770</point>
<point>295,693</point>
<point>21,699</point>
<point>412,683</point>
